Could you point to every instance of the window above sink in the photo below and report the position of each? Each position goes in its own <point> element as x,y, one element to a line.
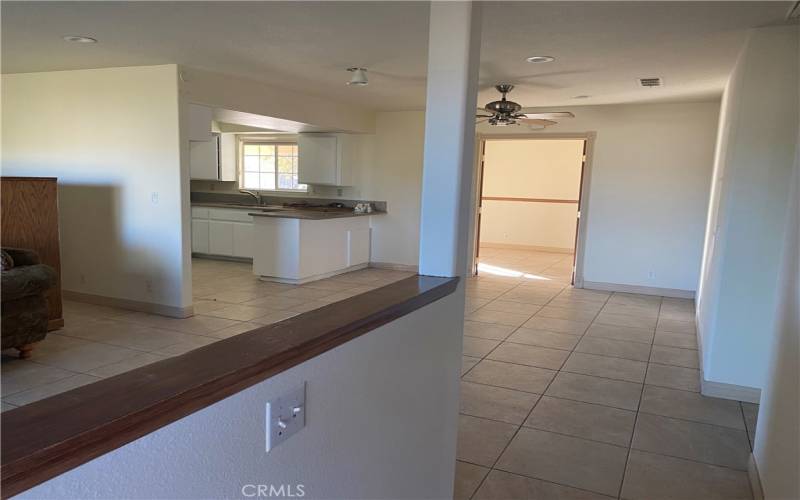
<point>269,166</point>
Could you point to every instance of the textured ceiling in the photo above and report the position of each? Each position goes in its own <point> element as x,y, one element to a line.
<point>601,47</point>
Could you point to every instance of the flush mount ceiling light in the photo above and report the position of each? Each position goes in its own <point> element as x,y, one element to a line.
<point>540,59</point>
<point>359,77</point>
<point>79,39</point>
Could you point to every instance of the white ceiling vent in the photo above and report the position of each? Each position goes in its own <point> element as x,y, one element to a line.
<point>650,82</point>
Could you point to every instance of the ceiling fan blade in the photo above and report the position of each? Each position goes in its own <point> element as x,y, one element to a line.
<point>532,113</point>
<point>481,121</point>
<point>536,121</point>
<point>483,116</point>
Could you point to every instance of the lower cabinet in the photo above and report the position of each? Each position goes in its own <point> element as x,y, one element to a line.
<point>242,239</point>
<point>199,236</point>
<point>223,232</point>
<point>220,237</point>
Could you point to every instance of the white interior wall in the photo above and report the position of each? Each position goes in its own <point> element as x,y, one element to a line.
<point>755,156</point>
<point>396,177</point>
<point>111,138</point>
<point>777,443</point>
<point>381,412</point>
<point>650,175</point>
<point>541,169</point>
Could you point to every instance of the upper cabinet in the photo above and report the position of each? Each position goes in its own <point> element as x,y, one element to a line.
<point>199,122</point>
<point>204,159</point>
<point>326,159</point>
<point>213,160</point>
<point>228,150</point>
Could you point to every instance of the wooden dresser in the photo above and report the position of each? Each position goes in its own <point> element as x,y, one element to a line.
<point>30,220</point>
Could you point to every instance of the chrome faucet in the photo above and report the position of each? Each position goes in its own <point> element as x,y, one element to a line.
<point>254,194</point>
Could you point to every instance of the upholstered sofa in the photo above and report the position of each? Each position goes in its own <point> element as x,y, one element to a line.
<point>23,285</point>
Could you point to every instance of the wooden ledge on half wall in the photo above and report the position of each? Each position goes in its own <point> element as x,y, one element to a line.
<point>49,437</point>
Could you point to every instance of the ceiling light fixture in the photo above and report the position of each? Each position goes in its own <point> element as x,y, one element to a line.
<point>540,59</point>
<point>79,39</point>
<point>359,77</point>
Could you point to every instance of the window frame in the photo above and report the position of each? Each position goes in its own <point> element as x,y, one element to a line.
<point>266,142</point>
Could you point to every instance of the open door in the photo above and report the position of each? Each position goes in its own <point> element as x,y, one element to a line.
<point>529,193</point>
<point>480,204</point>
<point>578,218</point>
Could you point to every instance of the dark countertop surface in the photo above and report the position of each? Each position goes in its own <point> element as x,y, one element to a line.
<point>280,212</point>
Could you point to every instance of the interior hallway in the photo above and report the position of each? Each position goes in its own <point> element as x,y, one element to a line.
<point>570,393</point>
<point>99,342</point>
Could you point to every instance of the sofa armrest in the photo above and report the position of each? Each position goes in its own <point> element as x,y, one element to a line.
<point>25,281</point>
<point>22,256</point>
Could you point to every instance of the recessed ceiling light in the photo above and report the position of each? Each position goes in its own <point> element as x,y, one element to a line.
<point>581,97</point>
<point>540,59</point>
<point>79,39</point>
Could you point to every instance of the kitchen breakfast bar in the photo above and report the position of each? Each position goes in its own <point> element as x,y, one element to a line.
<point>301,246</point>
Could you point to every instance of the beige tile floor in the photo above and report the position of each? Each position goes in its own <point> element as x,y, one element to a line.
<point>99,342</point>
<point>566,393</point>
<point>581,394</point>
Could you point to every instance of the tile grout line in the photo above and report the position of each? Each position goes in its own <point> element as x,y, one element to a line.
<point>526,416</point>
<point>638,408</point>
<point>494,465</point>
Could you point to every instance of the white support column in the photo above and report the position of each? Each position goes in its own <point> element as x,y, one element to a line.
<point>453,58</point>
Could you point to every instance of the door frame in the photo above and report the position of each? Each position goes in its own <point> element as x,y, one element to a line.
<point>583,200</point>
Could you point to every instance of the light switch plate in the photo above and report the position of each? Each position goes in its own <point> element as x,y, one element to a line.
<point>285,416</point>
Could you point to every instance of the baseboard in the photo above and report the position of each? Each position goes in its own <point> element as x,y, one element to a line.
<point>132,305</point>
<point>644,290</point>
<point>209,256</point>
<point>755,478</point>
<point>309,279</point>
<point>729,391</point>
<point>394,267</point>
<point>514,246</point>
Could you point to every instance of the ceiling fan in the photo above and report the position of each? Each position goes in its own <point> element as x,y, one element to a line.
<point>503,112</point>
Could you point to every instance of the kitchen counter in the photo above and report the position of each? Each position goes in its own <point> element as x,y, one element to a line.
<point>280,212</point>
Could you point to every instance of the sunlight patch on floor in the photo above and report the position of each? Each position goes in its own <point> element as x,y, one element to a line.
<point>502,271</point>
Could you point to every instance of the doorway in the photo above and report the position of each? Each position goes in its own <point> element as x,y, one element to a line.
<point>529,194</point>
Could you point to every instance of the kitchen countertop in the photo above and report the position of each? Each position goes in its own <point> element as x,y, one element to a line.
<point>280,212</point>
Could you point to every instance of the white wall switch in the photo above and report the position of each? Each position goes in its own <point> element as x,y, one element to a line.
<point>285,416</point>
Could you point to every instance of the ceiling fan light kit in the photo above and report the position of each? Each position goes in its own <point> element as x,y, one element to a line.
<point>358,77</point>
<point>503,113</point>
<point>540,59</point>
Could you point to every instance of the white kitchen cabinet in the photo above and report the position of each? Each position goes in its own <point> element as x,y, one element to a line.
<point>220,237</point>
<point>327,159</point>
<point>214,159</point>
<point>222,232</point>
<point>199,236</point>
<point>204,159</point>
<point>198,122</point>
<point>242,239</point>
<point>297,251</point>
<point>228,150</point>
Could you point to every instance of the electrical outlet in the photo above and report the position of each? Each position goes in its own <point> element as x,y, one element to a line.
<point>154,197</point>
<point>148,285</point>
<point>339,192</point>
<point>651,275</point>
<point>83,279</point>
<point>285,416</point>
